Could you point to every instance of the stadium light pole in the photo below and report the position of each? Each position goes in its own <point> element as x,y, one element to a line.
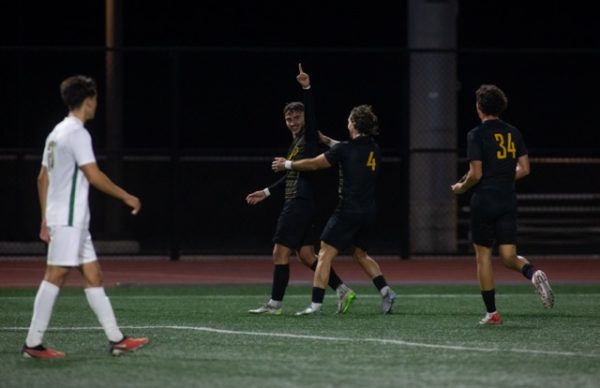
<point>114,106</point>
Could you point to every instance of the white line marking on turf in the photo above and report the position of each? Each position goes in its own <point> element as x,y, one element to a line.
<point>327,338</point>
<point>304,296</point>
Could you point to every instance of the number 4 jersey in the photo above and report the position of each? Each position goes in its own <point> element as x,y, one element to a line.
<point>358,160</point>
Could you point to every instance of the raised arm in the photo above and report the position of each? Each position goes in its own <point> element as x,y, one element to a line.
<point>310,124</point>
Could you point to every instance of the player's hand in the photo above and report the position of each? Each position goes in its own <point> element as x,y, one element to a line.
<point>458,188</point>
<point>303,78</point>
<point>278,164</point>
<point>44,232</point>
<point>323,138</point>
<point>133,202</point>
<point>256,197</point>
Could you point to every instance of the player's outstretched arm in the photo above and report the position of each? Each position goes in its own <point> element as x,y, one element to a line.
<point>328,141</point>
<point>316,163</point>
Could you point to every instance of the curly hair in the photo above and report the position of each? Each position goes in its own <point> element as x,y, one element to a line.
<point>491,100</point>
<point>364,119</point>
<point>75,89</point>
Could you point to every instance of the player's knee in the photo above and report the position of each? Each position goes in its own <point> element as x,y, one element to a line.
<point>359,255</point>
<point>281,255</point>
<point>56,275</point>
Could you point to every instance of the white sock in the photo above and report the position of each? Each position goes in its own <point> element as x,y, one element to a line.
<point>342,288</point>
<point>315,306</point>
<point>100,303</point>
<point>42,312</point>
<point>384,291</point>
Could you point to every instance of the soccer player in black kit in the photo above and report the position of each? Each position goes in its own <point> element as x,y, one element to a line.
<point>295,228</point>
<point>497,157</point>
<point>351,225</point>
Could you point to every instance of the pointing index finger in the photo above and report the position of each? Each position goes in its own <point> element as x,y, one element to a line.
<point>300,68</point>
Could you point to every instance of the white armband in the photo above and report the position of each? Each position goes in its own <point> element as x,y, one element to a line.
<point>288,165</point>
<point>267,192</point>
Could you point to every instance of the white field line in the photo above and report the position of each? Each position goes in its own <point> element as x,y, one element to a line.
<point>332,339</point>
<point>307,295</point>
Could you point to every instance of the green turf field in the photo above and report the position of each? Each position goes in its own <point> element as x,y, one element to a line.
<point>203,337</point>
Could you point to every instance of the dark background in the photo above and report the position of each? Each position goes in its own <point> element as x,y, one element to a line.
<point>207,82</point>
<point>537,51</point>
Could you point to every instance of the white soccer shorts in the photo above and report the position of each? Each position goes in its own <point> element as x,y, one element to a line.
<point>70,247</point>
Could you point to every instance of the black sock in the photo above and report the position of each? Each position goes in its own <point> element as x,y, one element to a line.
<point>318,294</point>
<point>334,279</point>
<point>528,271</point>
<point>489,298</point>
<point>281,277</point>
<point>379,282</point>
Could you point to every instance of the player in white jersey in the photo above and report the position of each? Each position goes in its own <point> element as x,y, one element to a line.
<point>68,168</point>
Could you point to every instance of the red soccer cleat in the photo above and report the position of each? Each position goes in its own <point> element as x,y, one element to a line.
<point>127,345</point>
<point>41,352</point>
<point>491,319</point>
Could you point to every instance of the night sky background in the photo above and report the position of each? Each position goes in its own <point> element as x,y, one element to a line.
<point>542,53</point>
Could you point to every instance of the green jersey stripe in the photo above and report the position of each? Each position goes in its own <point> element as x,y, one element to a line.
<point>72,199</point>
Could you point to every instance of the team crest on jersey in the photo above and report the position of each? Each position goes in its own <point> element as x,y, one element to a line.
<point>294,152</point>
<point>51,148</point>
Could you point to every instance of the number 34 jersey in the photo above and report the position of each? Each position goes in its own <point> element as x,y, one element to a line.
<point>498,145</point>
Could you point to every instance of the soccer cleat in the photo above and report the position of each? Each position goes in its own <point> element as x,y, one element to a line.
<point>345,299</point>
<point>491,319</point>
<point>127,345</point>
<point>540,281</point>
<point>388,301</point>
<point>267,309</point>
<point>41,352</point>
<point>309,311</point>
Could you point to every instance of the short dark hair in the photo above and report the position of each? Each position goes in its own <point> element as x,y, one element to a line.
<point>75,89</point>
<point>295,106</point>
<point>491,100</point>
<point>364,119</point>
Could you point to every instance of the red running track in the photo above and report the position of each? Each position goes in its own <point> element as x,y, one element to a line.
<point>202,270</point>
